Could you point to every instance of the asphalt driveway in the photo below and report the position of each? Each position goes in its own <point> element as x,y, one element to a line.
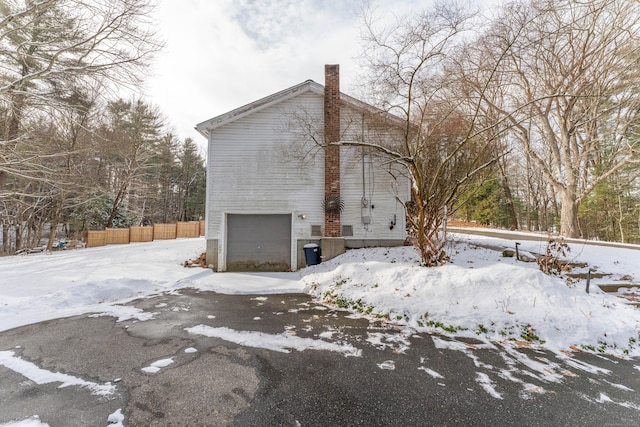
<point>285,360</point>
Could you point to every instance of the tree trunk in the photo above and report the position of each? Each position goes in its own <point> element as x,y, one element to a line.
<point>569,215</point>
<point>18,237</point>
<point>5,240</point>
<point>511,210</point>
<point>116,204</point>
<point>528,184</point>
<point>54,223</point>
<point>620,218</point>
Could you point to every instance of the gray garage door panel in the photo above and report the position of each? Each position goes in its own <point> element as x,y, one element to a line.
<point>258,242</point>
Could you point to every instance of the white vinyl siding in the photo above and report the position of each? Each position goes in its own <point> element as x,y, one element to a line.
<point>255,168</point>
<point>377,186</point>
<point>262,163</point>
<point>381,192</point>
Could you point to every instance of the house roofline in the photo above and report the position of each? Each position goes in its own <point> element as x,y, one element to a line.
<point>217,121</point>
<point>307,86</point>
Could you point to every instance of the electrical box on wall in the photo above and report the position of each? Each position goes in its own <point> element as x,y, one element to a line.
<point>366,220</point>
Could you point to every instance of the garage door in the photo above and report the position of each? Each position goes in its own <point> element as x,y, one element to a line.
<point>258,242</point>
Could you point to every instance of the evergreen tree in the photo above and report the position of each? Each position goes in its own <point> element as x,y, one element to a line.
<point>129,140</point>
<point>192,182</point>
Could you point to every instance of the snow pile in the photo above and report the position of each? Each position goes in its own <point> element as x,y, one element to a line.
<point>484,295</point>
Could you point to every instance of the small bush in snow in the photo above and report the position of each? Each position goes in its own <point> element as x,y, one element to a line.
<point>551,262</point>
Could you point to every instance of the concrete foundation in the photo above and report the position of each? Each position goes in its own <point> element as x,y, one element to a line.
<point>331,247</point>
<point>212,253</point>
<point>372,243</point>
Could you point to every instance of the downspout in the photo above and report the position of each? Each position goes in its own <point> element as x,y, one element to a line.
<point>364,192</point>
<point>364,202</point>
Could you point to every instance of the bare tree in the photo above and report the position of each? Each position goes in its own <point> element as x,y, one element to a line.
<point>48,46</point>
<point>70,142</point>
<point>569,90</point>
<point>422,123</point>
<point>53,55</point>
<point>412,73</point>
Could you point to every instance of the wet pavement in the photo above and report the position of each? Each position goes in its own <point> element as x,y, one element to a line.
<point>323,368</point>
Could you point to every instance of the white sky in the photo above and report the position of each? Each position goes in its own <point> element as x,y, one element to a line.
<point>223,54</point>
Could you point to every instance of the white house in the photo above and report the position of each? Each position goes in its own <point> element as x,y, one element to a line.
<point>276,183</point>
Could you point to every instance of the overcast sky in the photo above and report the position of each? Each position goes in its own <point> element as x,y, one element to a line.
<point>222,54</point>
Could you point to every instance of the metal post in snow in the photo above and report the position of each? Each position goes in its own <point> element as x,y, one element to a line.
<point>517,252</point>
<point>589,278</point>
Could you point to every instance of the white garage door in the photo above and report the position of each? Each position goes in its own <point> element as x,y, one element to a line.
<point>258,242</point>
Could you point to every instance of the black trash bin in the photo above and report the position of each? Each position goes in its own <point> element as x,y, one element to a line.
<point>312,254</point>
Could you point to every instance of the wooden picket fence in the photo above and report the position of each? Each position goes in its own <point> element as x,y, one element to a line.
<point>140,234</point>
<point>117,236</point>
<point>164,231</point>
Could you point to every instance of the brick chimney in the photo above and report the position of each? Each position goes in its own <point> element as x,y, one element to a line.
<point>331,152</point>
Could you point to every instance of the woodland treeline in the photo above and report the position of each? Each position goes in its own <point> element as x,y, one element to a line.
<point>72,151</point>
<point>564,103</point>
<point>524,116</point>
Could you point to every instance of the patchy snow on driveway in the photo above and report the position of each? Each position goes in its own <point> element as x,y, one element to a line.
<point>279,342</point>
<point>33,421</point>
<point>156,366</point>
<point>9,360</point>
<point>478,294</point>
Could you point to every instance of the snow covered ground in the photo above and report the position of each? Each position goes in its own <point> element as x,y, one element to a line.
<point>40,287</point>
<point>479,294</point>
<point>482,294</point>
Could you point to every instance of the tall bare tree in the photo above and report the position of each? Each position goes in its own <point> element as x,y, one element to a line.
<point>48,46</point>
<point>569,89</point>
<point>412,74</point>
<point>52,54</point>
